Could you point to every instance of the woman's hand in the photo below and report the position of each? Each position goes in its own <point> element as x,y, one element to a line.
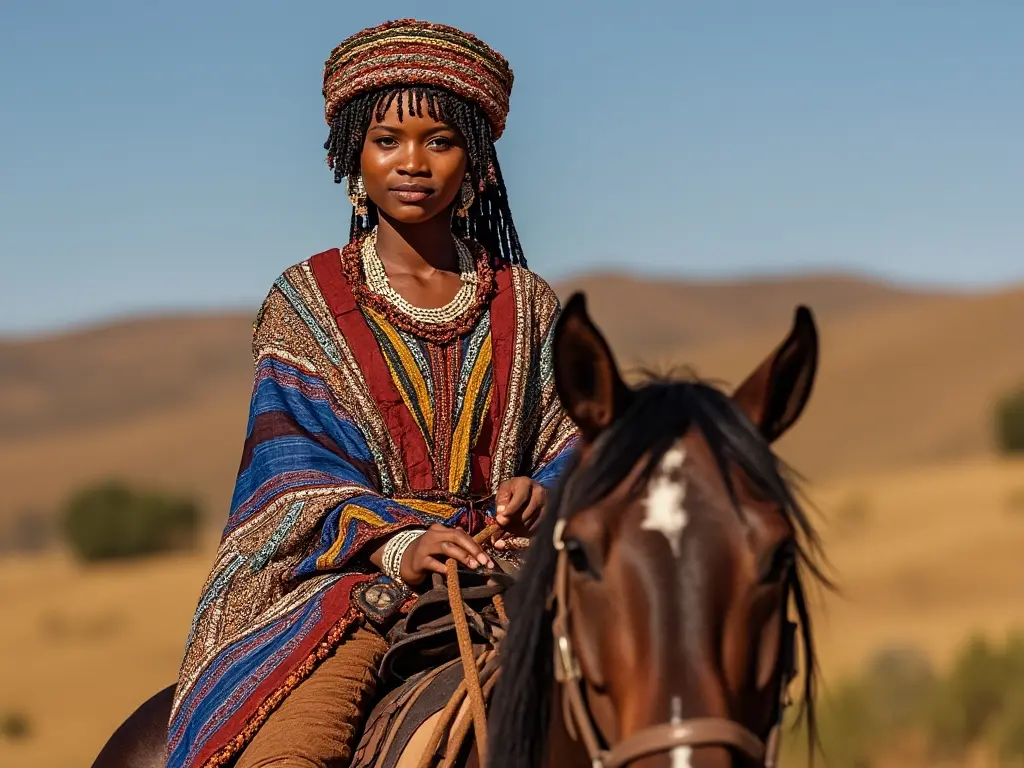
<point>428,553</point>
<point>519,504</point>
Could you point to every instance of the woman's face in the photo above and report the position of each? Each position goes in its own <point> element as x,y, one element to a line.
<point>413,168</point>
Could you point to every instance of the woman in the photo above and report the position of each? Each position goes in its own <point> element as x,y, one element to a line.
<point>396,381</point>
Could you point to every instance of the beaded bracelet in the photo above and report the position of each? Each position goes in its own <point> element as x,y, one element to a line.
<point>394,551</point>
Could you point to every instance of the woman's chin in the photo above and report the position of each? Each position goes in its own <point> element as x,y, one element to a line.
<point>411,214</point>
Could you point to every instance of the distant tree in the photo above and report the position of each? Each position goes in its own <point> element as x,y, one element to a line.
<point>111,521</point>
<point>1009,422</point>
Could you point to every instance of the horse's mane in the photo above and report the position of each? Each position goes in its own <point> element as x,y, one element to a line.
<point>660,413</point>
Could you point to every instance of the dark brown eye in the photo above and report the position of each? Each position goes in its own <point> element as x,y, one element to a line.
<point>778,563</point>
<point>578,559</point>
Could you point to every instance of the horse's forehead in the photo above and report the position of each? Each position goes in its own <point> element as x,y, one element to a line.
<point>683,487</point>
<point>665,503</point>
<point>704,472</point>
<point>687,484</point>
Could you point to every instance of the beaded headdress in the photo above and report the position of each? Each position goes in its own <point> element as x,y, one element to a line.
<point>410,52</point>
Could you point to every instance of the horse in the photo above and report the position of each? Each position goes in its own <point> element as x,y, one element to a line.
<point>649,624</point>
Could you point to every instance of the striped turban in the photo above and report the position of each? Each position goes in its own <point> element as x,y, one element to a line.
<point>418,53</point>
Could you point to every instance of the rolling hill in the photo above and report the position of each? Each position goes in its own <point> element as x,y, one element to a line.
<point>907,377</point>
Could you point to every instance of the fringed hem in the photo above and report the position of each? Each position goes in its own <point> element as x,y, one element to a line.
<point>331,641</point>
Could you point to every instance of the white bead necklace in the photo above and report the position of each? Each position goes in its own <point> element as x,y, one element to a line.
<point>377,281</point>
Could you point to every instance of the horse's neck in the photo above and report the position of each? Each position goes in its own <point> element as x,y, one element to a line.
<point>562,751</point>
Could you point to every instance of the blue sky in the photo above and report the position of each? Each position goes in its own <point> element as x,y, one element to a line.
<point>168,155</point>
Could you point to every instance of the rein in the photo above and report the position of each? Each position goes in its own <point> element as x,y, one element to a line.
<point>471,667</point>
<point>656,739</point>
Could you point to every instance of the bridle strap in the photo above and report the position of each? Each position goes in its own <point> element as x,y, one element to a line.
<point>696,732</point>
<point>567,670</point>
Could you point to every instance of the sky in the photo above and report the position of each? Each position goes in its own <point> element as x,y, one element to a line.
<point>168,156</point>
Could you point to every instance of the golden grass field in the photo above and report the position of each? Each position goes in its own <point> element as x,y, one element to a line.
<point>923,526</point>
<point>924,557</point>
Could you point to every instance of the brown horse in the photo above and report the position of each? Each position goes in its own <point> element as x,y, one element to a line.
<point>650,625</point>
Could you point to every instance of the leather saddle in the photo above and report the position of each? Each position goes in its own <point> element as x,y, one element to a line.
<point>425,706</point>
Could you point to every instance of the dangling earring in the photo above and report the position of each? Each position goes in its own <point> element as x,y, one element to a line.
<point>357,195</point>
<point>466,197</point>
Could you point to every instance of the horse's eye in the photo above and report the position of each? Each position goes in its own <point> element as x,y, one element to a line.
<point>578,556</point>
<point>775,567</point>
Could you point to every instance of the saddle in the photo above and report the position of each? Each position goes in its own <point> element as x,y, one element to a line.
<point>430,706</point>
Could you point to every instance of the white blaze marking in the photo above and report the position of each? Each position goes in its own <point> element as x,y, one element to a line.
<point>665,514</point>
<point>665,496</point>
<point>674,459</point>
<point>680,755</point>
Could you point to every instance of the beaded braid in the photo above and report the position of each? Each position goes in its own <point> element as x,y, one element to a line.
<point>489,220</point>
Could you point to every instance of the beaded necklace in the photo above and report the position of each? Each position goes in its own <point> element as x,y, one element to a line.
<point>365,273</point>
<point>377,281</point>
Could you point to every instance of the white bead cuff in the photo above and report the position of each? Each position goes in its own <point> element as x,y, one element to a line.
<point>394,551</point>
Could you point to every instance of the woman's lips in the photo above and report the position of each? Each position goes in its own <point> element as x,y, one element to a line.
<point>411,193</point>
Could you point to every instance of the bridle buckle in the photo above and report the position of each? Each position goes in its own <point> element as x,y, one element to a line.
<point>568,668</point>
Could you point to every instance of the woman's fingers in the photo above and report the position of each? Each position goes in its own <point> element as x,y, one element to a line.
<point>531,515</point>
<point>433,564</point>
<point>468,543</point>
<point>456,543</point>
<point>515,498</point>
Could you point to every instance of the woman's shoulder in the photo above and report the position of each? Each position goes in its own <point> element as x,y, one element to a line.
<point>532,283</point>
<point>303,275</point>
<point>296,288</point>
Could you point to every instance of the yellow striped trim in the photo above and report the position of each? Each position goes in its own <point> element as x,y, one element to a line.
<point>423,403</point>
<point>352,511</point>
<point>462,437</point>
<point>435,508</point>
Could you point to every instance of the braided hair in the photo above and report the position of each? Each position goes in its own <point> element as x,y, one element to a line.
<point>489,220</point>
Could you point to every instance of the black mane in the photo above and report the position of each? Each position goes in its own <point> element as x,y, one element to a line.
<point>659,414</point>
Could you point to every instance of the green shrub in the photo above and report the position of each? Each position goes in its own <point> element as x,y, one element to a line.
<point>846,727</point>
<point>979,702</point>
<point>1009,422</point>
<point>862,717</point>
<point>975,700</point>
<point>111,521</point>
<point>14,726</point>
<point>845,730</point>
<point>1007,732</point>
<point>901,685</point>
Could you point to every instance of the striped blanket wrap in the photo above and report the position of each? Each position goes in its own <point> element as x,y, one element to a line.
<point>334,460</point>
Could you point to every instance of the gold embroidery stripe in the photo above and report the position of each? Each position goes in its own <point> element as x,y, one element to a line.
<point>436,508</point>
<point>422,401</point>
<point>352,511</point>
<point>461,438</point>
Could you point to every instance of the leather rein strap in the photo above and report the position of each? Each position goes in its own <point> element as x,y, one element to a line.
<point>694,732</point>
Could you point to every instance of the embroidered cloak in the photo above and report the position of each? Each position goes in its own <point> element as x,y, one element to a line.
<point>353,424</point>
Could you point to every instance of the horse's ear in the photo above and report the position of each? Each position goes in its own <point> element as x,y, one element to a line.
<point>774,396</point>
<point>586,377</point>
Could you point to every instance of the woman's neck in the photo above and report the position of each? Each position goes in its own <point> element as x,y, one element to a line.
<point>417,249</point>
